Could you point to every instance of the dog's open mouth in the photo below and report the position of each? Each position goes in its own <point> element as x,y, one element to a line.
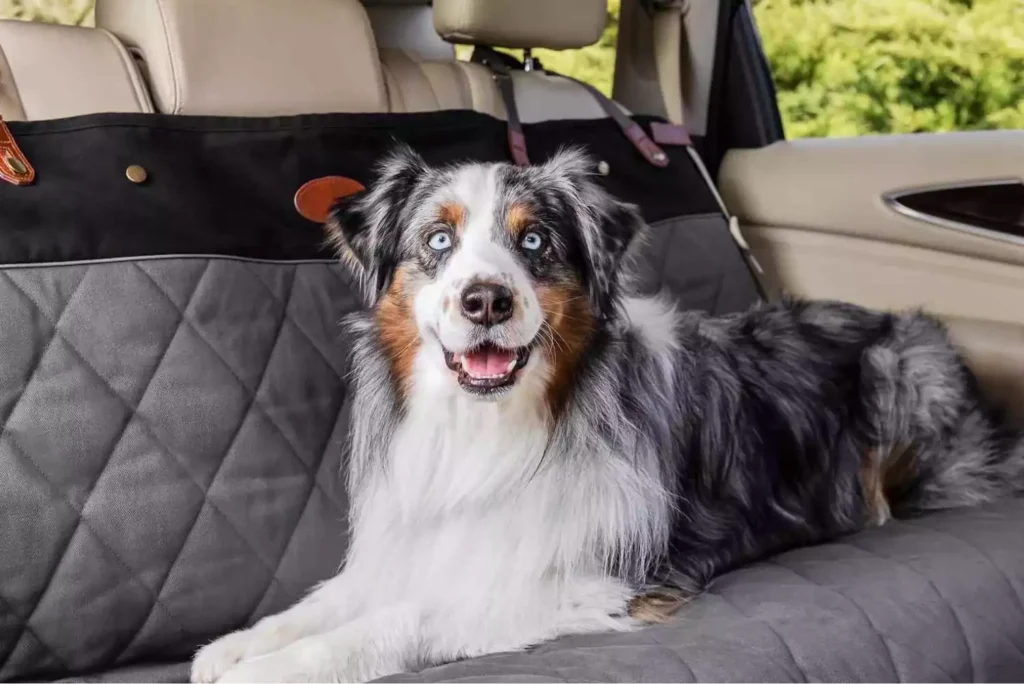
<point>487,368</point>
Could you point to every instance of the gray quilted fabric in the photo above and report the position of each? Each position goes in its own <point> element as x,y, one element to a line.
<point>937,599</point>
<point>169,464</point>
<point>169,458</point>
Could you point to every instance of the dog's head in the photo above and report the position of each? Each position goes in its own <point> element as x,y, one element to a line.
<point>483,274</point>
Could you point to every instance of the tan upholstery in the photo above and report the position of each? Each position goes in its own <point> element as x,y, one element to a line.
<point>814,215</point>
<point>50,72</point>
<point>409,28</point>
<point>556,24</point>
<point>252,57</point>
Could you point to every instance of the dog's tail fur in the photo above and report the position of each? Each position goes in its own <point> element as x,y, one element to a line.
<point>943,447</point>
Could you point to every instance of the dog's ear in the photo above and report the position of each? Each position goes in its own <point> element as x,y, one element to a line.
<point>365,229</point>
<point>607,227</point>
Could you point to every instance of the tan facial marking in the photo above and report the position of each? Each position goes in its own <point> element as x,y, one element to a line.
<point>518,218</point>
<point>453,214</point>
<point>397,327</point>
<point>568,327</point>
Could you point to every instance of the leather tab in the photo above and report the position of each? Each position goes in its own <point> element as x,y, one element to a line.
<point>670,134</point>
<point>14,165</point>
<point>316,197</point>
<point>654,154</point>
<point>517,147</point>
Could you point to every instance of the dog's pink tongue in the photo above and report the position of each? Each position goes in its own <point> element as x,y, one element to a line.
<point>487,362</point>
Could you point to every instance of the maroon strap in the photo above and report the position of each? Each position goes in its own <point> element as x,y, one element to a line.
<point>641,141</point>
<point>670,134</point>
<point>503,77</point>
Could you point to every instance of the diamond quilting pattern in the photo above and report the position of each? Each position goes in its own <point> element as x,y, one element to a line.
<point>171,445</point>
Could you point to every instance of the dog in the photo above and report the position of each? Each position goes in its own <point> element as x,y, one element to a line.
<point>537,452</point>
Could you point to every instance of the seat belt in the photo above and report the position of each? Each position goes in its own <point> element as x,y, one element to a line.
<point>502,72</point>
<point>667,15</point>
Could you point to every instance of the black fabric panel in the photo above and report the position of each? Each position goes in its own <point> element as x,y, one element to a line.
<point>693,259</point>
<point>225,185</point>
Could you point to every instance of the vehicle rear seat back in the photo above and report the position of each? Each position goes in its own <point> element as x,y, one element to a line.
<point>422,76</point>
<point>50,72</point>
<point>252,57</point>
<point>419,66</point>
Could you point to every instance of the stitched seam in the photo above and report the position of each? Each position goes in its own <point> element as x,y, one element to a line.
<point>3,432</point>
<point>286,304</point>
<point>771,628</point>
<point>132,413</point>
<point>942,597</point>
<point>312,476</point>
<point>199,511</point>
<point>29,629</point>
<point>881,636</point>
<point>245,414</point>
<point>889,640</point>
<point>216,473</point>
<point>255,405</point>
<point>988,559</point>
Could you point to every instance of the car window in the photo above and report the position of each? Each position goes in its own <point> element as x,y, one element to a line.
<point>77,12</point>
<point>858,67</point>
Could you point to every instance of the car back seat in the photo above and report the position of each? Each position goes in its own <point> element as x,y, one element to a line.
<point>49,72</point>
<point>415,42</point>
<point>252,57</point>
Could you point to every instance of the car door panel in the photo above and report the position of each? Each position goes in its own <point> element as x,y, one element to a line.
<point>825,219</point>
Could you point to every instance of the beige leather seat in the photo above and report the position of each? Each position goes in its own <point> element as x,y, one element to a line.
<point>50,72</point>
<point>252,57</point>
<point>422,76</point>
<point>272,57</point>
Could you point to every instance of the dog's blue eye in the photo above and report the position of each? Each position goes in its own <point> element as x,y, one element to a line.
<point>532,242</point>
<point>440,241</point>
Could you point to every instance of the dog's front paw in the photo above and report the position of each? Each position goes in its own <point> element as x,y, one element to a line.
<point>268,635</point>
<point>306,661</point>
<point>213,660</point>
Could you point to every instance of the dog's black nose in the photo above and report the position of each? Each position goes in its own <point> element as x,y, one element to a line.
<point>487,303</point>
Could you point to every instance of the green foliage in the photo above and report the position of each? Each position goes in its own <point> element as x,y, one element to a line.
<point>851,67</point>
<point>77,12</point>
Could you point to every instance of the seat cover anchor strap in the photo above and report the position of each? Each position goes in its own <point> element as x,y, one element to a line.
<point>503,65</point>
<point>503,77</point>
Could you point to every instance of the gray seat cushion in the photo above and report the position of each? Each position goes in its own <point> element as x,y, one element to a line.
<point>936,599</point>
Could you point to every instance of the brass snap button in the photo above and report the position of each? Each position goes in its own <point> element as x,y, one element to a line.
<point>136,174</point>
<point>16,166</point>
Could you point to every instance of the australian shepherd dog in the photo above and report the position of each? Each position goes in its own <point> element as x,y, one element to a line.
<point>535,452</point>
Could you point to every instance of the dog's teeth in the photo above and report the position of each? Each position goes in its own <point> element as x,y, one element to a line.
<point>511,365</point>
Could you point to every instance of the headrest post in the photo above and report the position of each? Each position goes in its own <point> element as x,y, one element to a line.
<point>528,64</point>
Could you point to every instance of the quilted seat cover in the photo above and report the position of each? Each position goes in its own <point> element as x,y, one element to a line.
<point>173,442</point>
<point>174,405</point>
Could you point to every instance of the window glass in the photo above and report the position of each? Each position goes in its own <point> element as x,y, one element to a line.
<point>857,67</point>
